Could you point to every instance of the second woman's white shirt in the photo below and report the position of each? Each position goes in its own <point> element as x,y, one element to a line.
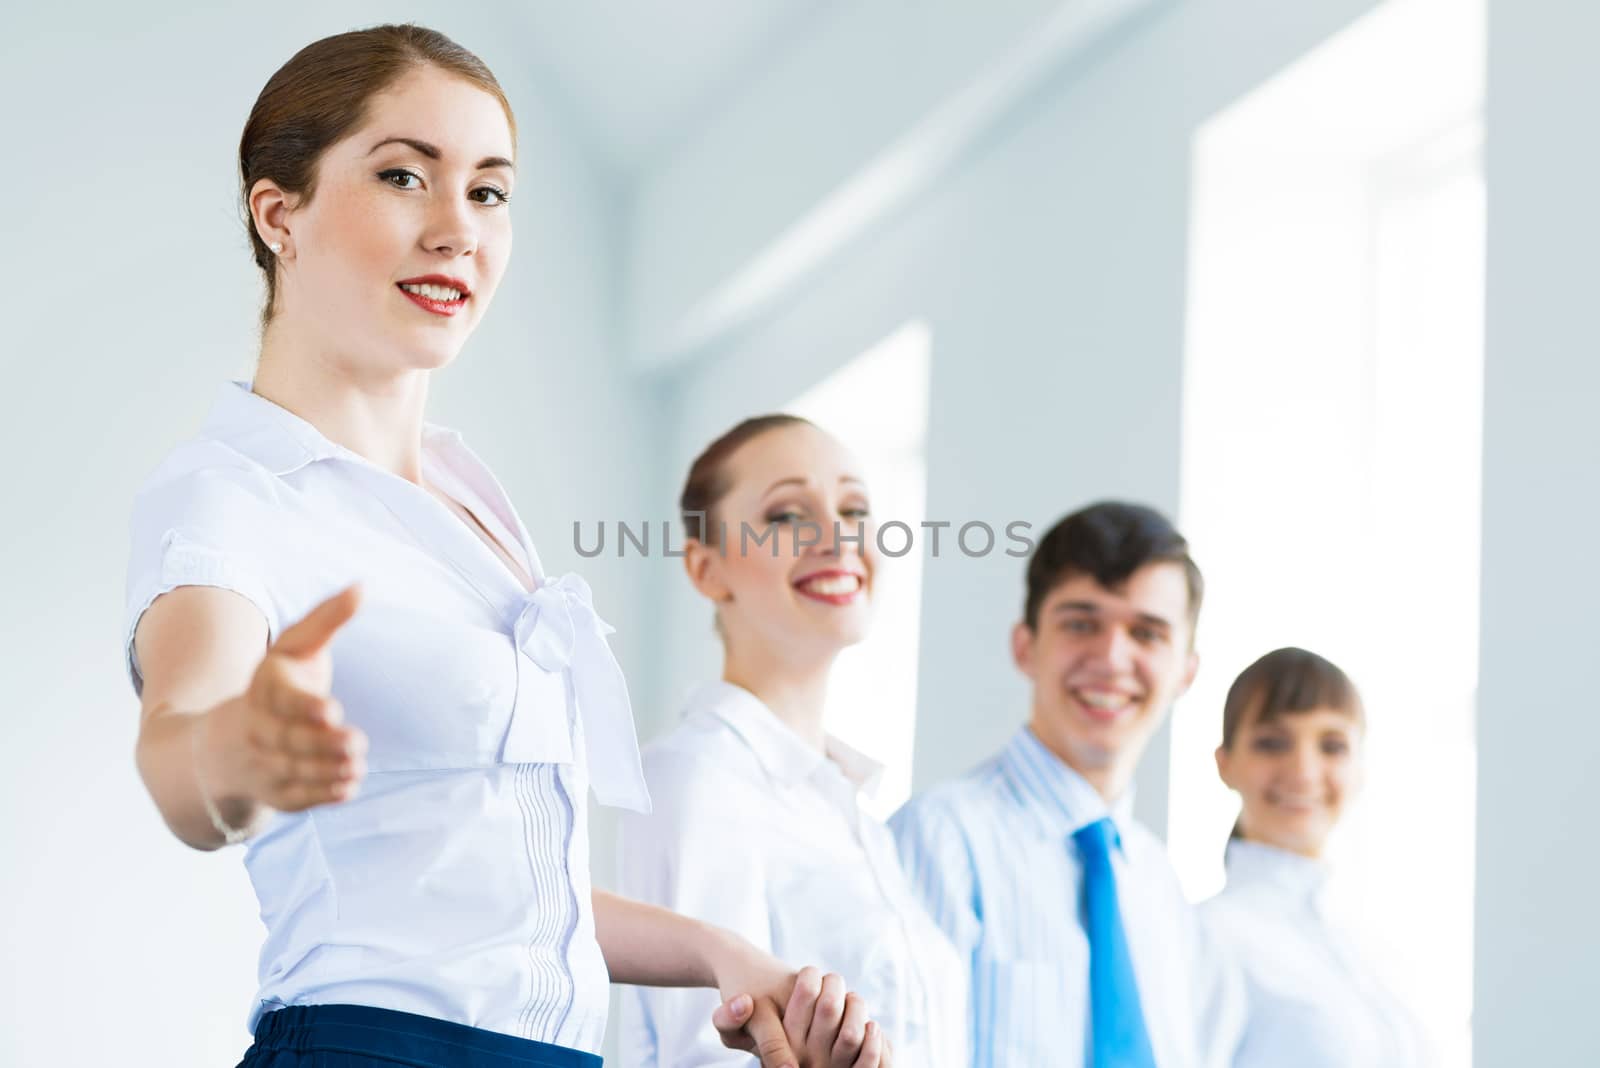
<point>1313,1002</point>
<point>756,831</point>
<point>456,883</point>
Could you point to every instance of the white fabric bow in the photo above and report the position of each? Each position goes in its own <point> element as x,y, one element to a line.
<point>559,630</point>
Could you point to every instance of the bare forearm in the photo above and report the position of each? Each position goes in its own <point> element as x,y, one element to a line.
<point>165,754</point>
<point>645,945</point>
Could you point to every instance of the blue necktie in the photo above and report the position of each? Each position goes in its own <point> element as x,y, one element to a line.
<point>1117,1035</point>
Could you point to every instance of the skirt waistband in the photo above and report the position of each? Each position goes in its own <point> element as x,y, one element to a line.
<point>407,1038</point>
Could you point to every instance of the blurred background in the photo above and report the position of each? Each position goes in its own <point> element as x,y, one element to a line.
<point>1313,277</point>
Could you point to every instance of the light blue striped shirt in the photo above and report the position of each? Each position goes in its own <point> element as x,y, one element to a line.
<point>991,855</point>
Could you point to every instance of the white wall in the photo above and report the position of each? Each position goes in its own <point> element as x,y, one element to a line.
<point>1538,732</point>
<point>1057,328</point>
<point>863,109</point>
<point>129,294</point>
<point>1050,269</point>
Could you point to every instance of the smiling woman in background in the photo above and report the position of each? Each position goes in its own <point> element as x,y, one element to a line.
<point>1292,733</point>
<point>764,509</point>
<point>409,763</point>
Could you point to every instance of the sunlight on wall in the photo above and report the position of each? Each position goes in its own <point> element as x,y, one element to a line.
<point>872,699</point>
<point>1332,440</point>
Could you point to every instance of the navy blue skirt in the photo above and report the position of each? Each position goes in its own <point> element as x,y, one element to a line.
<point>357,1036</point>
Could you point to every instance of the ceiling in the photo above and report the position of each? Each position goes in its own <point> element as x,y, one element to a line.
<point>639,76</point>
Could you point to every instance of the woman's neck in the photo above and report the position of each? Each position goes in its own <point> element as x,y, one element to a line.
<point>378,417</point>
<point>795,693</point>
<point>1310,850</point>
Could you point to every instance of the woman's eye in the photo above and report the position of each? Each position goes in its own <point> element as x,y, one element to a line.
<point>856,513</point>
<point>1270,745</point>
<point>784,517</point>
<point>1335,747</point>
<point>396,177</point>
<point>500,195</point>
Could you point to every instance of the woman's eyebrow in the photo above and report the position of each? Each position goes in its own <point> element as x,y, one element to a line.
<point>792,480</point>
<point>432,152</point>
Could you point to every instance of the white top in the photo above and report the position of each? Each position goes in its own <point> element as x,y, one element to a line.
<point>1313,1003</point>
<point>993,858</point>
<point>456,883</point>
<point>758,832</point>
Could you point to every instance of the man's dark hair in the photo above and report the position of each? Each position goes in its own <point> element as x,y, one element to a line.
<point>1107,541</point>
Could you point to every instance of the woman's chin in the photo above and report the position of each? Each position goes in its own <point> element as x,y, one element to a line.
<point>835,636</point>
<point>852,626</point>
<point>425,353</point>
<point>434,358</point>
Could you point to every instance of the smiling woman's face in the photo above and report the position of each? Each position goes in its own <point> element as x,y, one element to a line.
<point>1295,774</point>
<point>418,192</point>
<point>787,589</point>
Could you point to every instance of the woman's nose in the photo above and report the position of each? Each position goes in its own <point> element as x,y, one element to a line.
<point>1304,763</point>
<point>451,230</point>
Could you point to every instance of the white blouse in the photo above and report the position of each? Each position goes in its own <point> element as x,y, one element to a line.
<point>1313,1003</point>
<point>758,832</point>
<point>456,883</point>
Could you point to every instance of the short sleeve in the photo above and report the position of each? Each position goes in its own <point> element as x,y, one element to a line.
<point>206,526</point>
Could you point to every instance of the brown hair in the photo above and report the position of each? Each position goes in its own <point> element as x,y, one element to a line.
<point>322,95</point>
<point>708,480</point>
<point>1284,682</point>
<point>1108,541</point>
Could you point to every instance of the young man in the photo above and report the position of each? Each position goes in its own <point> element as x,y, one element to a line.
<point>1083,949</point>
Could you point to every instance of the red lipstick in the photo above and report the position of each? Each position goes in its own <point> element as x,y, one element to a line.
<point>445,307</point>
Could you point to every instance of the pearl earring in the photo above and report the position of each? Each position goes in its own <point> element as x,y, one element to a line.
<point>276,247</point>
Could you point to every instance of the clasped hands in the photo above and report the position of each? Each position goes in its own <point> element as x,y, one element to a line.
<point>801,1019</point>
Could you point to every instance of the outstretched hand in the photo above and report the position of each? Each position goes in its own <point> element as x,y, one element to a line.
<point>284,743</point>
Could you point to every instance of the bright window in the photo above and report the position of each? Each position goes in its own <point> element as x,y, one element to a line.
<point>1332,458</point>
<point>872,699</point>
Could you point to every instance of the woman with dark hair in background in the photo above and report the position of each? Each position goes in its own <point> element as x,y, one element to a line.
<point>1292,734</point>
<point>409,763</point>
<point>780,540</point>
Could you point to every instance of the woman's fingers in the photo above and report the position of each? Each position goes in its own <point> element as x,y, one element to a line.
<point>852,1033</point>
<point>874,1049</point>
<point>283,743</point>
<point>729,1019</point>
<point>801,1006</point>
<point>767,1036</point>
<point>292,703</point>
<point>303,794</point>
<point>303,736</point>
<point>302,755</point>
<point>317,769</point>
<point>294,689</point>
<point>298,782</point>
<point>317,628</point>
<point>825,1019</point>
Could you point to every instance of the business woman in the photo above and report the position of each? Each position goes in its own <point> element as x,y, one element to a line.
<point>1292,748</point>
<point>780,543</point>
<point>348,653</point>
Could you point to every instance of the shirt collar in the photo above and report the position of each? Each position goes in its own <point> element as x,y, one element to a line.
<point>861,770</point>
<point>279,440</point>
<point>783,754</point>
<point>1055,798</point>
<point>1258,864</point>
